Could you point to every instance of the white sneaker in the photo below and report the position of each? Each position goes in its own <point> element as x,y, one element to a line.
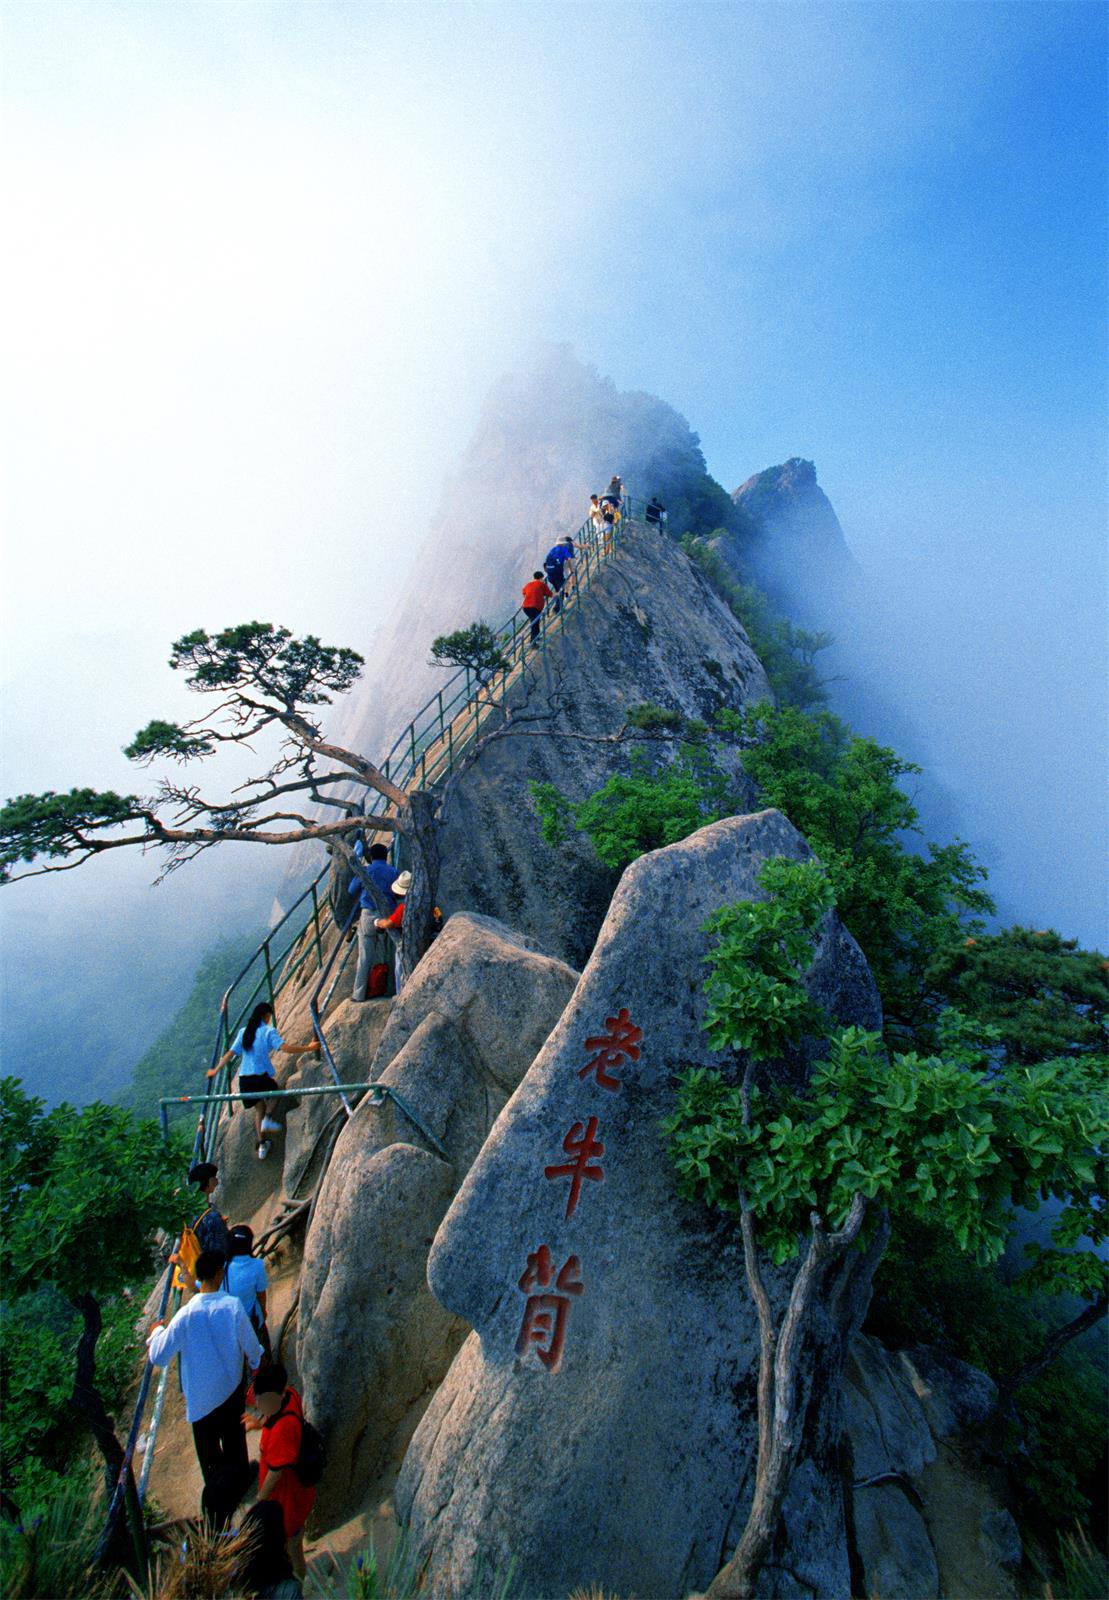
<point>263,1149</point>
<point>270,1126</point>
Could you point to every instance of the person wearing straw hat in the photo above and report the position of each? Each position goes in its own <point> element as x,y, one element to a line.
<point>392,924</point>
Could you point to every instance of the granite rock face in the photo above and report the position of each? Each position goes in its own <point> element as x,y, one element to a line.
<point>372,1341</point>
<point>598,1426</point>
<point>649,630</point>
<point>353,1034</point>
<point>793,542</point>
<point>925,1520</point>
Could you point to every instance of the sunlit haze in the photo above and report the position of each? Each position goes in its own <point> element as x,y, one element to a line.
<point>263,262</point>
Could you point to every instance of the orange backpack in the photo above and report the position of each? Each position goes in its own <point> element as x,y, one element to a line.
<point>186,1256</point>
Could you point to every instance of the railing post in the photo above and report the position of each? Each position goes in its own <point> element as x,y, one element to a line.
<point>316,926</point>
<point>440,713</point>
<point>269,971</point>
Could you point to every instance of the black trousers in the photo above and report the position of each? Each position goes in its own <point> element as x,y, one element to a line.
<point>534,612</point>
<point>220,1441</point>
<point>556,577</point>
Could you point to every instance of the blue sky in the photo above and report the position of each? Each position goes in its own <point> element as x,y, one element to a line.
<point>271,256</point>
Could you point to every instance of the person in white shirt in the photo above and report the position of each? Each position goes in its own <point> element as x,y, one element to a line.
<point>212,1334</point>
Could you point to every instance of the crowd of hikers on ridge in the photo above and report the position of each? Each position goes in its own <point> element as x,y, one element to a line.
<point>231,1382</point>
<point>232,1386</point>
<point>604,516</point>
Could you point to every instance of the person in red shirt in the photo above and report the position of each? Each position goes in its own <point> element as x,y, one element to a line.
<point>536,595</point>
<point>281,1425</point>
<point>392,924</point>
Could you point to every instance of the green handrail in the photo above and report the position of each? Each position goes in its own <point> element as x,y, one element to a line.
<point>433,725</point>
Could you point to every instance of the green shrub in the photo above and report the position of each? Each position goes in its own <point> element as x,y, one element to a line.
<point>843,792</point>
<point>1084,1571</point>
<point>642,810</point>
<point>652,718</point>
<point>928,1292</point>
<point>52,1556</point>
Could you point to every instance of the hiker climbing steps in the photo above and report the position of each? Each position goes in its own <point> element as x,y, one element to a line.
<point>424,754</point>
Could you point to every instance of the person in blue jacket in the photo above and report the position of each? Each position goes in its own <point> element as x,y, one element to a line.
<point>555,568</point>
<point>369,909</point>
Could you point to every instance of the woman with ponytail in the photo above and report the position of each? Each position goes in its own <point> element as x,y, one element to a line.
<point>254,1044</point>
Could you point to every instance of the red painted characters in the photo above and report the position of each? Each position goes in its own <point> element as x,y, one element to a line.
<point>544,1321</point>
<point>550,1296</point>
<point>620,1039</point>
<point>582,1144</point>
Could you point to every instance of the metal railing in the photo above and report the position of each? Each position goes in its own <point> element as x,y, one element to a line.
<point>454,717</point>
<point>424,753</point>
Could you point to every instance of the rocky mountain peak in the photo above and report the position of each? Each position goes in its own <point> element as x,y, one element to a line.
<point>787,502</point>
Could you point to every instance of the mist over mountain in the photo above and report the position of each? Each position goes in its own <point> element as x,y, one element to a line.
<point>550,434</point>
<point>950,665</point>
<point>973,660</point>
<point>87,982</point>
<point>907,666</point>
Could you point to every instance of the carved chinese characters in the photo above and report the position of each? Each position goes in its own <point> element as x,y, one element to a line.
<point>545,1315</point>
<point>544,1323</point>
<point>621,1038</point>
<point>581,1143</point>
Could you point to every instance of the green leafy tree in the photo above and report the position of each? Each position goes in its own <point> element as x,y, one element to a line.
<point>945,1137</point>
<point>1043,995</point>
<point>641,810</point>
<point>265,682</point>
<point>475,647</point>
<point>82,1194</point>
<point>844,794</point>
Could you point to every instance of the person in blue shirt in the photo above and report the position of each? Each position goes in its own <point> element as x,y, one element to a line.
<point>383,875</point>
<point>555,568</point>
<point>254,1044</point>
<point>245,1278</point>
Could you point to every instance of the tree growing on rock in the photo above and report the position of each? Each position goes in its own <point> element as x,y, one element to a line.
<point>264,681</point>
<point>475,647</point>
<point>1044,995</point>
<point>822,1168</point>
<point>81,1194</point>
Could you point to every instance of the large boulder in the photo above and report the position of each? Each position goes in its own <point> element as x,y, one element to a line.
<point>598,1426</point>
<point>353,1030</point>
<point>925,1516</point>
<point>372,1340</point>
